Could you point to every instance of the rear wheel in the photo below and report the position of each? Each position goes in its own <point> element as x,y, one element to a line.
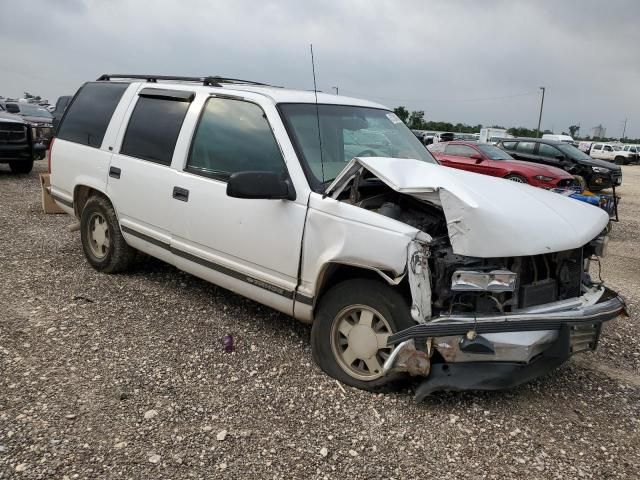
<point>620,161</point>
<point>104,246</point>
<point>514,177</point>
<point>21,167</point>
<point>350,331</point>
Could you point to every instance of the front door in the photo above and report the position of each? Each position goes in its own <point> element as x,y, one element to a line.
<point>251,246</point>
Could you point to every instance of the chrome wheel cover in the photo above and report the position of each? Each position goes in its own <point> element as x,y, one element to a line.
<point>98,235</point>
<point>359,341</point>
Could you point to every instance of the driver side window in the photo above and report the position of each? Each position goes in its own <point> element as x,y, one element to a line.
<point>233,136</point>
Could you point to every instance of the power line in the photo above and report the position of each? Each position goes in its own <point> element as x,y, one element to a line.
<point>447,99</point>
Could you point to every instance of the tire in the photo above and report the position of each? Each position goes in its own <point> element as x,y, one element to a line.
<point>620,161</point>
<point>338,310</point>
<point>514,177</point>
<point>580,181</point>
<point>104,246</point>
<point>21,167</point>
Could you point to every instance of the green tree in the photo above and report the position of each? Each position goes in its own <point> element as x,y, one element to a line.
<point>573,130</point>
<point>402,113</point>
<point>416,120</point>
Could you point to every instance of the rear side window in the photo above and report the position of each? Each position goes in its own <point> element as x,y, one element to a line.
<point>88,116</point>
<point>233,136</point>
<point>597,147</point>
<point>508,145</point>
<point>154,126</point>
<point>525,147</point>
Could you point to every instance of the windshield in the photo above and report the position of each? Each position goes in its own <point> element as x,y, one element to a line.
<point>33,110</point>
<point>572,152</point>
<point>493,152</point>
<point>347,132</point>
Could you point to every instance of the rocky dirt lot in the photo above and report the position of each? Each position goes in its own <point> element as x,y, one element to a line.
<point>124,376</point>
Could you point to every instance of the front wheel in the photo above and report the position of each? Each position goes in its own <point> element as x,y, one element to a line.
<point>21,167</point>
<point>350,331</point>
<point>516,178</point>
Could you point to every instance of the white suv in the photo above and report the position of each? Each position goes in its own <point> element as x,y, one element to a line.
<point>612,153</point>
<point>329,209</point>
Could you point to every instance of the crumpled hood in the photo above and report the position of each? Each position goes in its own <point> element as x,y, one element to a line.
<point>34,119</point>
<point>488,216</point>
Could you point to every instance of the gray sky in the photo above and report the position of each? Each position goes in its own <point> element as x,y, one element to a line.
<point>452,59</point>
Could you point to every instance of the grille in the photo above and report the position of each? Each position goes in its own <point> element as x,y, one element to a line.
<point>568,182</point>
<point>12,133</point>
<point>550,277</point>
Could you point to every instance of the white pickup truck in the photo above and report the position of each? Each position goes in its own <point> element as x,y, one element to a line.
<point>612,153</point>
<point>404,267</point>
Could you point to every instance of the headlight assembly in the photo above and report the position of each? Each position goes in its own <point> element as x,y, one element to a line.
<point>600,169</point>
<point>493,281</point>
<point>544,178</point>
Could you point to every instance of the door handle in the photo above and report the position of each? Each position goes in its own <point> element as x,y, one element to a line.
<point>114,172</point>
<point>181,194</point>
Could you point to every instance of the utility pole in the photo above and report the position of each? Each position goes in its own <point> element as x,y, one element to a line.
<point>624,128</point>
<point>336,89</point>
<point>540,117</point>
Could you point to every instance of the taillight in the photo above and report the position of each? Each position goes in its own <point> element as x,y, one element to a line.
<point>49,153</point>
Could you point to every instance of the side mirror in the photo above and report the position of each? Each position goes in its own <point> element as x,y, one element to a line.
<point>477,157</point>
<point>260,185</point>
<point>560,157</point>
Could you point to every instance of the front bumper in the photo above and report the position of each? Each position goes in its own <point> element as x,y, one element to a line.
<point>488,352</point>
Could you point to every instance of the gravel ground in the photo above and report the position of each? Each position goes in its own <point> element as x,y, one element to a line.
<point>124,376</point>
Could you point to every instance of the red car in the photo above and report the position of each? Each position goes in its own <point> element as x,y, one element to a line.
<point>491,160</point>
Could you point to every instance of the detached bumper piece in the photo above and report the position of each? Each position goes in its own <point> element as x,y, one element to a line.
<point>577,326</point>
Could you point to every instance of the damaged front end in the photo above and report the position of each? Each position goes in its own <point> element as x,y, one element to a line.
<point>495,303</point>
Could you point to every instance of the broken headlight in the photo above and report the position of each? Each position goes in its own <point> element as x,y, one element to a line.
<point>474,281</point>
<point>599,245</point>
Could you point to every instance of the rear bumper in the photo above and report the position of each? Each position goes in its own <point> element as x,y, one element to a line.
<point>491,352</point>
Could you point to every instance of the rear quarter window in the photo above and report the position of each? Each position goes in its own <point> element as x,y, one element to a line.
<point>88,116</point>
<point>526,147</point>
<point>508,145</point>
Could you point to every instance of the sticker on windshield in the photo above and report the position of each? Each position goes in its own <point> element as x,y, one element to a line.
<point>394,118</point>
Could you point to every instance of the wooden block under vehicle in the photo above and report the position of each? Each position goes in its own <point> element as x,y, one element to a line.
<point>48,204</point>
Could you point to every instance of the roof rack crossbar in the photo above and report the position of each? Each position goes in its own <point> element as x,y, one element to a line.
<point>209,81</point>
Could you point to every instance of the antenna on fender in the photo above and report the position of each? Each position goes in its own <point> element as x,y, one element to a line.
<point>315,92</point>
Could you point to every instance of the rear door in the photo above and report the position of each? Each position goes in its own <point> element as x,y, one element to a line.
<point>526,151</point>
<point>141,180</point>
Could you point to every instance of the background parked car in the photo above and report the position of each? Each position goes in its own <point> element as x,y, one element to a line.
<point>596,174</point>
<point>491,160</point>
<point>38,117</point>
<point>560,138</point>
<point>633,149</point>
<point>61,105</point>
<point>16,143</point>
<point>612,153</point>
